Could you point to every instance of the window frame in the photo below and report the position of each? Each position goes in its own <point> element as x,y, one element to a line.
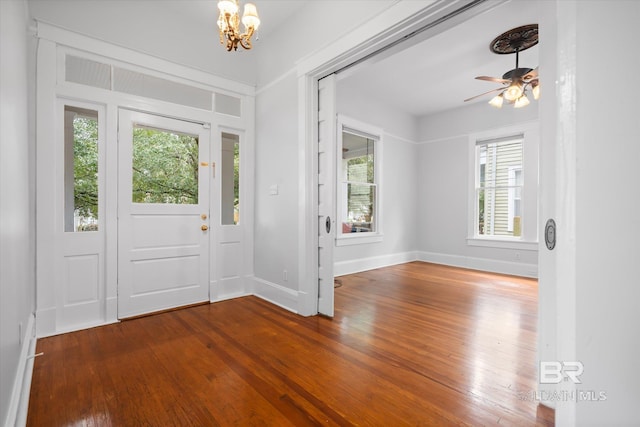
<point>528,240</point>
<point>355,127</point>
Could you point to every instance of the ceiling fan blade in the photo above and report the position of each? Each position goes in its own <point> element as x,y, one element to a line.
<point>493,79</point>
<point>531,75</point>
<point>482,94</point>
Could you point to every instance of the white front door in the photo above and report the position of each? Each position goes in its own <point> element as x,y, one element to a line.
<point>326,191</point>
<point>163,213</point>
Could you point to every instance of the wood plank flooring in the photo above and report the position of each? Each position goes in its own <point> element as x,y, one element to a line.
<point>414,344</point>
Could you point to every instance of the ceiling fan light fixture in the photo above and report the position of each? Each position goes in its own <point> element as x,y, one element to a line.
<point>523,101</point>
<point>519,79</point>
<point>536,91</point>
<point>497,101</point>
<point>514,91</point>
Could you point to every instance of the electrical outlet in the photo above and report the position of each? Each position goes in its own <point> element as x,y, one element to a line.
<point>518,256</point>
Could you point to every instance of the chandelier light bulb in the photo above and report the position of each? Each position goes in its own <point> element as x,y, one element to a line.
<point>250,17</point>
<point>228,7</point>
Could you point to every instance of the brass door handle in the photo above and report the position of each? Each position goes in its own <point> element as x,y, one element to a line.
<point>204,227</point>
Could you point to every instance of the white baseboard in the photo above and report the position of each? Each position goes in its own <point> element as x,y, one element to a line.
<point>46,324</point>
<point>483,264</point>
<point>19,403</point>
<point>364,264</point>
<point>276,294</point>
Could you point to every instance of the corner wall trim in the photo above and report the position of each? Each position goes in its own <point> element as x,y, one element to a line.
<point>276,294</point>
<point>19,403</point>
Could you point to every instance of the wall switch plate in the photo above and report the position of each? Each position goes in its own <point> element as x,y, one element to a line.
<point>273,190</point>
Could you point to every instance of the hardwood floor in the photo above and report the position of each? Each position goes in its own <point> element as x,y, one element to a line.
<point>413,344</point>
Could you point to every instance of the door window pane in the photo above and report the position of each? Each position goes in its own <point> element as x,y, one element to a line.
<point>165,167</point>
<point>230,170</point>
<point>80,169</point>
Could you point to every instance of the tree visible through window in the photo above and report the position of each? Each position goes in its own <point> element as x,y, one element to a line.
<point>81,169</point>
<point>165,167</point>
<point>499,186</point>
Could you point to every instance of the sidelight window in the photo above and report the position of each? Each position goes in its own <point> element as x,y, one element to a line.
<point>230,171</point>
<point>80,169</point>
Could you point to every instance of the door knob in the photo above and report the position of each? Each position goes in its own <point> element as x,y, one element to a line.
<point>204,227</point>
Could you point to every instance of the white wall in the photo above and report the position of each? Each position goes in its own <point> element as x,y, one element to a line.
<point>278,143</point>
<point>17,283</point>
<point>607,224</point>
<point>313,27</point>
<point>276,216</point>
<point>399,188</point>
<point>444,188</point>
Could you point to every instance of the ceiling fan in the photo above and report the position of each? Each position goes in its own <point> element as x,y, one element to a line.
<point>517,81</point>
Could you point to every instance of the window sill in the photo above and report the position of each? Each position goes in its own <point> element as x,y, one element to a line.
<point>503,243</point>
<point>358,239</point>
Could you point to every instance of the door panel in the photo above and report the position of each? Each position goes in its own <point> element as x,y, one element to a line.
<point>163,213</point>
<point>326,192</point>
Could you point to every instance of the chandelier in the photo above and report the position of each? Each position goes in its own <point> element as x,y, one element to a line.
<point>229,23</point>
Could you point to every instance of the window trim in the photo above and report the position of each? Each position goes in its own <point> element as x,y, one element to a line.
<point>511,198</point>
<point>529,204</point>
<point>366,130</point>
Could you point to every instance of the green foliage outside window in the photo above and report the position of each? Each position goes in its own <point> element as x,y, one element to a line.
<point>85,166</point>
<point>165,167</point>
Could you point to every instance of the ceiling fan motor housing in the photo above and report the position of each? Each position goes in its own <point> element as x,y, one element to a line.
<point>516,73</point>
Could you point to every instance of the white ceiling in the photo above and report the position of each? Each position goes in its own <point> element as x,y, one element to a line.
<point>439,73</point>
<point>430,76</point>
